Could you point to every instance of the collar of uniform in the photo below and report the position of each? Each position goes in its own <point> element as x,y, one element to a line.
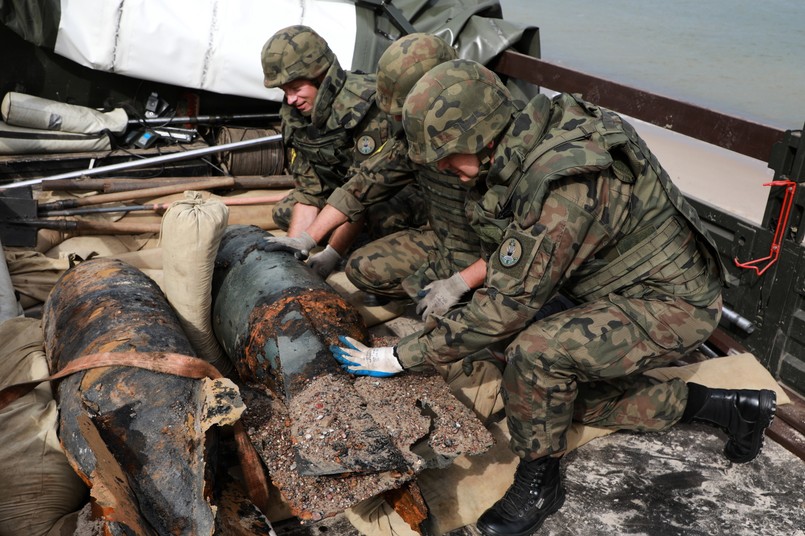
<point>524,133</point>
<point>330,86</point>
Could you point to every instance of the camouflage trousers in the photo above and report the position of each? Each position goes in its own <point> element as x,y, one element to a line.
<point>385,267</point>
<point>585,364</point>
<point>403,211</point>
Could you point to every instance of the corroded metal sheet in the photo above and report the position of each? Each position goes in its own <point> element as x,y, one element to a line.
<point>276,319</point>
<point>138,438</point>
<point>417,410</point>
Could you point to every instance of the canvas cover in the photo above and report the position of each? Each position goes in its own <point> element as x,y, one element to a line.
<point>215,45</point>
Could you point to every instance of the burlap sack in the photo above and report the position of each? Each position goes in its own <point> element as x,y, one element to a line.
<point>190,236</point>
<point>39,486</point>
<point>257,214</point>
<point>33,274</point>
<point>9,305</point>
<point>35,112</point>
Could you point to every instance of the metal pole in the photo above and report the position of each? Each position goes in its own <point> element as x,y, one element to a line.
<point>174,157</point>
<point>198,119</point>
<point>739,321</point>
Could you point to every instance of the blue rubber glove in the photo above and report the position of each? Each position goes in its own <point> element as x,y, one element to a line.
<point>361,360</point>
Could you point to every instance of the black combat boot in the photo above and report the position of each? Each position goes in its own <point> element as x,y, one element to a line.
<point>536,493</point>
<point>744,414</point>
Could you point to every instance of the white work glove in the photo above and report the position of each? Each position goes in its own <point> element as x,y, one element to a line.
<point>361,360</point>
<point>441,295</point>
<point>299,246</point>
<point>325,261</point>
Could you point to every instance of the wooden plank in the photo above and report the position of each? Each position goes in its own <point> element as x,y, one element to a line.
<point>793,414</point>
<point>788,437</point>
<point>734,133</point>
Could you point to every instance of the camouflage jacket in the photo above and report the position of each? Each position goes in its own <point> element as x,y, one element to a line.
<point>345,128</point>
<point>376,179</point>
<point>387,172</point>
<point>574,202</point>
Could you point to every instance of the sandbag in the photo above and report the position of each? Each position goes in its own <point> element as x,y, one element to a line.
<point>33,274</point>
<point>258,215</point>
<point>190,235</point>
<point>21,110</point>
<point>19,140</point>
<point>39,486</point>
<point>9,306</point>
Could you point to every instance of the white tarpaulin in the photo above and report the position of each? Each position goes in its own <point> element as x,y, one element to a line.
<point>212,45</point>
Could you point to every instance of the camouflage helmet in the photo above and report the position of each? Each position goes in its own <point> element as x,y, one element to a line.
<point>403,64</point>
<point>295,52</point>
<point>457,107</point>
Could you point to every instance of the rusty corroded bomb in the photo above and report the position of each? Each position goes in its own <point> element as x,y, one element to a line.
<point>276,319</point>
<point>137,437</point>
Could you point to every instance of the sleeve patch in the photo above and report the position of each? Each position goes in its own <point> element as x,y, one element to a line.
<point>515,254</point>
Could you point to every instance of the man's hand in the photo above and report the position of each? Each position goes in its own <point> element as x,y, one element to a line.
<point>441,295</point>
<point>361,360</point>
<point>325,261</point>
<point>299,246</point>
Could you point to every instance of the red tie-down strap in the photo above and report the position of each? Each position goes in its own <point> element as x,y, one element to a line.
<point>782,225</point>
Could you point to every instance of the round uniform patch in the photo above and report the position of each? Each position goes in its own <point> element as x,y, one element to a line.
<point>511,252</point>
<point>366,144</point>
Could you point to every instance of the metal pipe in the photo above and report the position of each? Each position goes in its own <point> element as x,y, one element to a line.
<point>173,157</point>
<point>737,320</point>
<point>91,227</point>
<point>202,119</point>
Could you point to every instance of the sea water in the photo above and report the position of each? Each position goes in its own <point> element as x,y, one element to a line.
<point>740,57</point>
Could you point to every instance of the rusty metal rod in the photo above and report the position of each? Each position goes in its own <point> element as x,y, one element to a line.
<point>220,182</point>
<point>92,227</point>
<point>157,207</point>
<point>122,184</point>
<point>173,157</point>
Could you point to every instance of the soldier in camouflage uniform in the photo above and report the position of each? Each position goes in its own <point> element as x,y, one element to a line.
<point>330,124</point>
<point>424,264</point>
<point>568,197</point>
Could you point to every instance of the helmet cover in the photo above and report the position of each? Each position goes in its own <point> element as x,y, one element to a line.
<point>403,64</point>
<point>457,107</point>
<point>295,52</point>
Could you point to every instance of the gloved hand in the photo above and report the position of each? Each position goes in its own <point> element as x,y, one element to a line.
<point>441,295</point>
<point>299,245</point>
<point>359,359</point>
<point>325,261</point>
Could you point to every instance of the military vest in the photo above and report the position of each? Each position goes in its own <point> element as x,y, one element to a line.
<point>458,242</point>
<point>580,138</point>
<point>328,145</point>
